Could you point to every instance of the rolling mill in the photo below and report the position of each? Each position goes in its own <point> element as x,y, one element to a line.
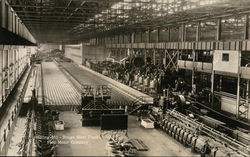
<point>125,78</point>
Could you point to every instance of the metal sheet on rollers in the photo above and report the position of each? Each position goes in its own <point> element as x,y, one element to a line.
<point>189,139</point>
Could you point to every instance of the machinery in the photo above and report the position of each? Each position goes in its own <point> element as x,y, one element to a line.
<point>197,130</point>
<point>94,105</point>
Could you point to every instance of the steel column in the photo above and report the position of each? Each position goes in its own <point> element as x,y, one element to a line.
<point>198,32</point>
<point>3,14</point>
<point>1,76</point>
<point>238,87</point>
<point>246,31</point>
<point>218,34</point>
<point>193,69</point>
<point>183,32</point>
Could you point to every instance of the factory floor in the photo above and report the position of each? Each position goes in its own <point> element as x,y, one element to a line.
<point>76,140</point>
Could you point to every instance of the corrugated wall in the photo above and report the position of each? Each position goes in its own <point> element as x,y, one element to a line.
<point>73,52</point>
<point>98,53</point>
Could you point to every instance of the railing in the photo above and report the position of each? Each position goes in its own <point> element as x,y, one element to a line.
<point>139,102</point>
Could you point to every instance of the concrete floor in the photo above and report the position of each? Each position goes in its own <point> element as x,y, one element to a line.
<point>86,141</point>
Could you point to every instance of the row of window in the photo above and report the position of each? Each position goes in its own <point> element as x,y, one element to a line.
<point>232,28</point>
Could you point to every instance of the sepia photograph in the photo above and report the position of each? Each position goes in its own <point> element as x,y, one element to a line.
<point>125,78</point>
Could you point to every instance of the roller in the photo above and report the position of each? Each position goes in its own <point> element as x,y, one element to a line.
<point>170,128</point>
<point>189,139</point>
<point>174,130</point>
<point>181,135</point>
<point>184,139</point>
<point>140,79</point>
<point>152,84</point>
<point>177,134</point>
<point>167,127</point>
<point>164,125</point>
<point>146,82</point>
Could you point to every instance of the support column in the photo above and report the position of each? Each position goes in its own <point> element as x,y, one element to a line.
<point>157,35</point>
<point>140,36</point>
<point>218,34</point>
<point>3,14</point>
<point>165,58</point>
<point>193,71</point>
<point>154,57</point>
<point>1,76</point>
<point>212,83</point>
<point>183,32</point>
<point>247,98</point>
<point>169,34</point>
<point>148,36</point>
<point>198,32</point>
<point>8,66</point>
<point>14,66</point>
<point>238,88</point>
<point>178,58</point>
<point>133,37</point>
<point>18,62</point>
<point>246,31</point>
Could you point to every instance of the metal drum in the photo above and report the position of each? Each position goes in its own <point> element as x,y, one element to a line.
<point>140,79</point>
<point>201,141</point>
<point>189,139</point>
<point>146,82</point>
<point>193,142</point>
<point>136,77</point>
<point>174,130</point>
<point>152,84</point>
<point>167,126</point>
<point>181,135</point>
<point>184,139</point>
<point>177,134</point>
<point>171,129</point>
<point>164,125</point>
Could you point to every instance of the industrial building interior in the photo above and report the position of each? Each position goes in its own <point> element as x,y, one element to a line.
<point>125,78</point>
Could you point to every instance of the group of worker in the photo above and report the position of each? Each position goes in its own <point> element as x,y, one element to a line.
<point>149,78</point>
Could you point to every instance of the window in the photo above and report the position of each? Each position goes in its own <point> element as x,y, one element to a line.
<point>225,57</point>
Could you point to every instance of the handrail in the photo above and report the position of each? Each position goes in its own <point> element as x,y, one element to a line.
<point>140,99</point>
<point>233,96</point>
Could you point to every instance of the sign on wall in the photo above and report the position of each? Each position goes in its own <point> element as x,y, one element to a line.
<point>226,61</point>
